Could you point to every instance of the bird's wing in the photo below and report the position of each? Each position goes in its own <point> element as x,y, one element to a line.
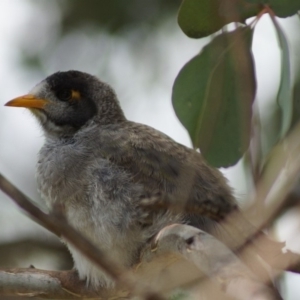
<point>151,157</point>
<point>161,165</point>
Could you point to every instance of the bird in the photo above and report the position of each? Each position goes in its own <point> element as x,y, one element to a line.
<point>119,182</point>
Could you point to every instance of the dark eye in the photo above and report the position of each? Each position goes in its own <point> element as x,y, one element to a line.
<point>64,95</point>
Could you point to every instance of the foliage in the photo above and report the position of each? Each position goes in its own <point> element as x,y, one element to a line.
<point>206,97</point>
<point>115,16</point>
<point>213,93</point>
<point>201,18</point>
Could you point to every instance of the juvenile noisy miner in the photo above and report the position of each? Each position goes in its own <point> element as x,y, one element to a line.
<point>102,168</point>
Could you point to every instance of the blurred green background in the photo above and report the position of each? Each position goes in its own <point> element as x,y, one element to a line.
<point>138,48</point>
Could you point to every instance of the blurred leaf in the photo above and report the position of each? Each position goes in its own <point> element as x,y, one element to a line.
<point>271,126</point>
<point>213,95</point>
<point>296,100</point>
<point>199,18</point>
<point>180,295</point>
<point>284,96</point>
<point>114,16</point>
<point>285,8</point>
<point>281,8</point>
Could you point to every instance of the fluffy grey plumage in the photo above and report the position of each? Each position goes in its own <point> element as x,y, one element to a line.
<point>100,166</point>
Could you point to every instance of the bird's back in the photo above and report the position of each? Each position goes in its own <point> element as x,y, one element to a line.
<point>164,166</point>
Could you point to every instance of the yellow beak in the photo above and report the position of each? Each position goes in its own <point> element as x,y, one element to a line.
<point>28,101</point>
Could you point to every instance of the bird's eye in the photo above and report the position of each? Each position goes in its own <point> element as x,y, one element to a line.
<point>64,95</point>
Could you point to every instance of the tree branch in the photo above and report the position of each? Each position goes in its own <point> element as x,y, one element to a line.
<point>180,256</point>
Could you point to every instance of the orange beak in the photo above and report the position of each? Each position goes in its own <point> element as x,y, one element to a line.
<point>28,101</point>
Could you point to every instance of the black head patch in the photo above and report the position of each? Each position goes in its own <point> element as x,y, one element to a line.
<point>74,88</point>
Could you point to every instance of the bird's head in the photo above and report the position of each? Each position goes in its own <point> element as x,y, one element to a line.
<point>64,102</point>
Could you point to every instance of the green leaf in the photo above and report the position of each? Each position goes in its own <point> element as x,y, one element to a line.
<point>285,8</point>
<point>296,100</point>
<point>213,95</point>
<point>284,96</point>
<point>200,18</point>
<point>281,8</point>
